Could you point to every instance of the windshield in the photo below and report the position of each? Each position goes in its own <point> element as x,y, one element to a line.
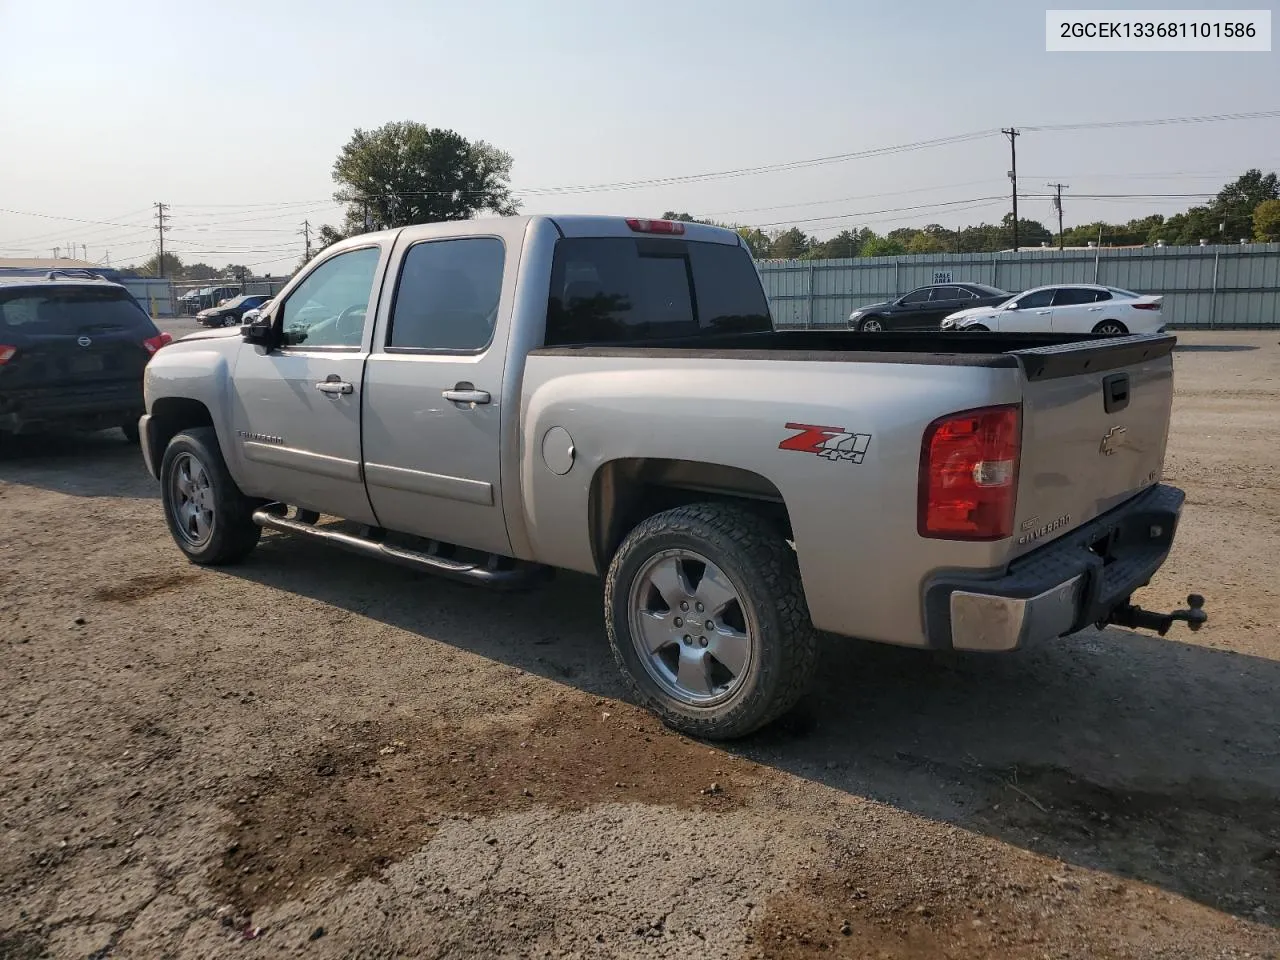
<point>69,310</point>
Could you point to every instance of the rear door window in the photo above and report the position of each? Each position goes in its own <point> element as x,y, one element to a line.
<point>68,310</point>
<point>1071,296</point>
<point>614,290</point>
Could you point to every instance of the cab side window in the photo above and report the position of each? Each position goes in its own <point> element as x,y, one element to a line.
<point>328,308</point>
<point>447,296</point>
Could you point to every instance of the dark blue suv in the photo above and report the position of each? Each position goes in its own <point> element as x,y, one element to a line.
<point>72,354</point>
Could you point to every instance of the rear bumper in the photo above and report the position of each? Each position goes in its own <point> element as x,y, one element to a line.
<point>1063,587</point>
<point>96,405</point>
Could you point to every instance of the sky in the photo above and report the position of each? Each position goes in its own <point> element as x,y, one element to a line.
<point>233,113</point>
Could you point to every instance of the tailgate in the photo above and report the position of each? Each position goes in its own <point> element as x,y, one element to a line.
<point>1095,425</point>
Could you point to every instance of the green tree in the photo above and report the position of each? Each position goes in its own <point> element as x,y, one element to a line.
<point>1266,222</point>
<point>845,245</point>
<point>151,268</point>
<point>404,173</point>
<point>1237,201</point>
<point>791,244</point>
<point>934,238</point>
<point>882,247</point>
<point>199,271</point>
<point>759,242</point>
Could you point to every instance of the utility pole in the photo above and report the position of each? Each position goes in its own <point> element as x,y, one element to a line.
<point>1012,134</point>
<point>160,226</point>
<point>306,235</point>
<point>1057,205</point>
<point>56,251</point>
<point>84,251</point>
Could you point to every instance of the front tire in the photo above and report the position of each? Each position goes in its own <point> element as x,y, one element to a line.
<point>871,325</point>
<point>707,620</point>
<point>130,430</point>
<point>209,518</point>
<point>978,327</point>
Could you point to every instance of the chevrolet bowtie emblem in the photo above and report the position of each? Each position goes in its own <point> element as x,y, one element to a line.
<point>1111,441</point>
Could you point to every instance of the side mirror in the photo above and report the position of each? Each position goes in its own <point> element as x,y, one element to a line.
<point>257,329</point>
<point>1012,306</point>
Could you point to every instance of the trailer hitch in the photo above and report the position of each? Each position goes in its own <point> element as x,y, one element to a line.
<point>1129,615</point>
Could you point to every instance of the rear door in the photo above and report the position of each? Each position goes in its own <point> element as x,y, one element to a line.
<point>1075,309</point>
<point>1095,425</point>
<point>433,394</point>
<point>64,336</point>
<point>944,300</point>
<point>296,410</point>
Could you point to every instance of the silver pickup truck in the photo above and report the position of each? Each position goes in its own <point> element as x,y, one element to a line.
<point>491,400</point>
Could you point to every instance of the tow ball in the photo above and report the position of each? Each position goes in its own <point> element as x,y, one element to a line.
<point>1129,615</point>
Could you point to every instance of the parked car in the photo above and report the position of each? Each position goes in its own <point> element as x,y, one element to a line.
<point>1067,308</point>
<point>252,314</point>
<point>493,399</point>
<point>924,307</point>
<point>229,314</point>
<point>205,298</point>
<point>72,353</point>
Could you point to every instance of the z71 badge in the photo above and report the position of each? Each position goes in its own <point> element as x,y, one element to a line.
<point>830,443</point>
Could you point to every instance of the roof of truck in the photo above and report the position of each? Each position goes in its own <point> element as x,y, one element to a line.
<point>586,225</point>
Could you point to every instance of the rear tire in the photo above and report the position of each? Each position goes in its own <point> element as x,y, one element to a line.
<point>1111,328</point>
<point>209,518</point>
<point>742,660</point>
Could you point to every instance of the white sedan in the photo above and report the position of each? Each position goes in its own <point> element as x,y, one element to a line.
<point>1066,308</point>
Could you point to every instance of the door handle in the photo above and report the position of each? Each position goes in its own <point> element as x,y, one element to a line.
<point>466,392</point>
<point>1042,313</point>
<point>334,386</point>
<point>1095,309</point>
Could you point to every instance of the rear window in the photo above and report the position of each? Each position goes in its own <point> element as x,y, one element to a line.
<point>69,310</point>
<point>612,290</point>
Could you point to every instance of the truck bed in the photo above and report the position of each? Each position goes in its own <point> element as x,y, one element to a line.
<point>1042,355</point>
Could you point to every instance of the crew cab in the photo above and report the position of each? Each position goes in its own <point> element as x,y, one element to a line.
<point>495,399</point>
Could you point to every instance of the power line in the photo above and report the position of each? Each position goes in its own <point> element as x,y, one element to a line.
<point>1165,121</point>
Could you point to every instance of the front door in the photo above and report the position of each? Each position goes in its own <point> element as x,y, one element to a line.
<point>433,397</point>
<point>297,407</point>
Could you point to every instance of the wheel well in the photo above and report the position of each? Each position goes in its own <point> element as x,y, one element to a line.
<point>172,415</point>
<point>625,492</point>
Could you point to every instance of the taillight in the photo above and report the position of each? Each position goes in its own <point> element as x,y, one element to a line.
<point>655,226</point>
<point>1146,306</point>
<point>969,475</point>
<point>155,343</point>
<point>6,354</point>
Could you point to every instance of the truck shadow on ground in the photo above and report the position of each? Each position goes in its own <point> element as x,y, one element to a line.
<point>99,464</point>
<point>1148,758</point>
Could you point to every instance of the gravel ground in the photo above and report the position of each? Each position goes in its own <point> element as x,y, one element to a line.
<point>318,755</point>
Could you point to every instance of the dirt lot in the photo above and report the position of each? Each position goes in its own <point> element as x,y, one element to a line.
<point>314,754</point>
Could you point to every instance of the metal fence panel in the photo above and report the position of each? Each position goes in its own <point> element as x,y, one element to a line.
<point>1219,286</point>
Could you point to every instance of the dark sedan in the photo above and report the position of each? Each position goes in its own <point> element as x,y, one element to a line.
<point>230,313</point>
<point>924,307</point>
